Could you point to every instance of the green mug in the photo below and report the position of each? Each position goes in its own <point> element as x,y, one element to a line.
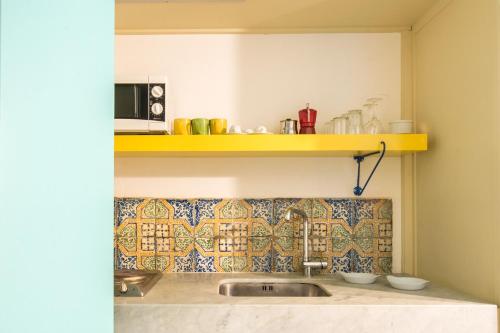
<point>200,126</point>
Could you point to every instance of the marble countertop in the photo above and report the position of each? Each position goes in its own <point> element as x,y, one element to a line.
<point>189,302</point>
<point>202,288</point>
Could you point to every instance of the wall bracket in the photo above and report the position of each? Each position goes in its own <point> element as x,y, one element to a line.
<point>358,190</point>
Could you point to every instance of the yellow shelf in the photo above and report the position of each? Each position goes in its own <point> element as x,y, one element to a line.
<point>265,145</point>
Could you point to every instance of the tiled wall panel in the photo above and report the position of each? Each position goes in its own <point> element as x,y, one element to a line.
<point>251,235</point>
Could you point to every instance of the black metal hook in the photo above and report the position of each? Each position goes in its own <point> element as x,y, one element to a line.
<point>358,190</point>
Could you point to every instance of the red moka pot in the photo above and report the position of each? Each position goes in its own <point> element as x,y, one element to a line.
<point>307,119</point>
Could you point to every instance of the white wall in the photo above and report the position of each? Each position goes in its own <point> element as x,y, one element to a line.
<point>258,80</point>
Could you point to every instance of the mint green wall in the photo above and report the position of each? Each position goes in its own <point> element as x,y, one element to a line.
<point>56,165</point>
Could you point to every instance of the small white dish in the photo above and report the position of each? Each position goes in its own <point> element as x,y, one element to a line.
<point>255,133</point>
<point>359,278</point>
<point>401,126</point>
<point>407,283</point>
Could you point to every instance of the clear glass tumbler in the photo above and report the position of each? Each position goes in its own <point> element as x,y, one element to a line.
<point>327,127</point>
<point>355,120</point>
<point>339,125</point>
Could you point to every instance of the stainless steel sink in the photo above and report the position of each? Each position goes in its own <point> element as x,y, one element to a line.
<point>272,289</point>
<point>133,283</point>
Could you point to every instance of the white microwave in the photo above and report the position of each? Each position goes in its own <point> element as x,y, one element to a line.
<point>140,105</point>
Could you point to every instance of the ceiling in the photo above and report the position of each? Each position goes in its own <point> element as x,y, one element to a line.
<point>152,16</point>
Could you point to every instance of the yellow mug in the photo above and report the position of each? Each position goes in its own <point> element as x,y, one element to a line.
<point>182,126</point>
<point>218,126</point>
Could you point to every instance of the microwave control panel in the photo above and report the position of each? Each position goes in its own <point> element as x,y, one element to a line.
<point>157,101</point>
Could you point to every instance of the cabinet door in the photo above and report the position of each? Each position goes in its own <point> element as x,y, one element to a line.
<point>56,165</point>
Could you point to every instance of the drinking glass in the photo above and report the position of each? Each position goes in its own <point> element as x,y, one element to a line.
<point>328,127</point>
<point>374,125</point>
<point>339,125</point>
<point>355,122</point>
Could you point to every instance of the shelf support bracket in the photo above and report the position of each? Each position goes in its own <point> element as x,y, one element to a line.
<point>358,190</point>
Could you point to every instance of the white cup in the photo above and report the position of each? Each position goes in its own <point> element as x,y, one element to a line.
<point>235,129</point>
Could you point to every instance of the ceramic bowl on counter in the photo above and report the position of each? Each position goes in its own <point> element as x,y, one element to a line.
<point>407,283</point>
<point>359,278</point>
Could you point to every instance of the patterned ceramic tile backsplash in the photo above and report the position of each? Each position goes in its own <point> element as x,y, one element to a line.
<point>251,235</point>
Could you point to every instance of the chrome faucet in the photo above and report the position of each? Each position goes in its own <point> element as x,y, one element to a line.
<point>290,212</point>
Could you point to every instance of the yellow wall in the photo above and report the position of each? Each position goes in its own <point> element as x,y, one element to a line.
<point>269,16</point>
<point>457,102</point>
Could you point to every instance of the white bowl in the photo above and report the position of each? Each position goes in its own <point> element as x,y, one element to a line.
<point>407,283</point>
<point>359,278</point>
<point>401,126</point>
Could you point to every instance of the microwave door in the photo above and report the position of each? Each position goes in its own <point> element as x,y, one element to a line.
<point>125,102</point>
<point>131,101</point>
<point>131,108</point>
